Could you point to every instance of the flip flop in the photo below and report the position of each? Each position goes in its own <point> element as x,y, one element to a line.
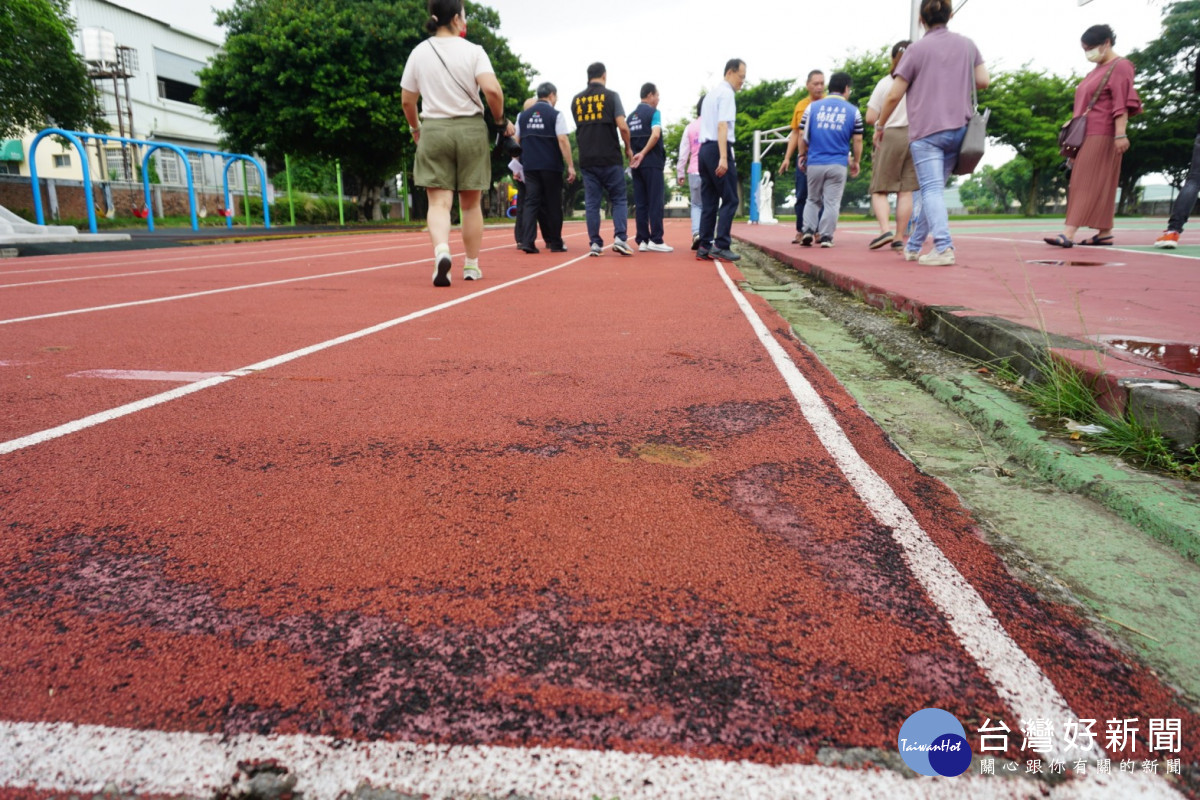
<point>1059,241</point>
<point>1098,241</point>
<point>882,240</point>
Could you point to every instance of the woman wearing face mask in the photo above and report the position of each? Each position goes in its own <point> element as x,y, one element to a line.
<point>453,151</point>
<point>1091,197</point>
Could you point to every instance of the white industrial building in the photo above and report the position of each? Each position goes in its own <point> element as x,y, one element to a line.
<point>146,73</point>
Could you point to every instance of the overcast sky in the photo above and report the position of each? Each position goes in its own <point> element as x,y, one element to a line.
<point>682,45</point>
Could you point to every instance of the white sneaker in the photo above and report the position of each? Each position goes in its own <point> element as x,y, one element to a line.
<point>654,247</point>
<point>911,255</point>
<point>472,273</point>
<point>441,269</point>
<point>622,247</point>
<point>595,250</point>
<point>938,258</point>
<point>643,247</point>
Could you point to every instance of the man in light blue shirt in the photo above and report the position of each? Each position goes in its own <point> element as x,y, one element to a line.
<point>718,170</point>
<point>829,128</point>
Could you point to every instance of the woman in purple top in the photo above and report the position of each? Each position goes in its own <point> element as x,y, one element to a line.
<point>935,75</point>
<point>1092,194</point>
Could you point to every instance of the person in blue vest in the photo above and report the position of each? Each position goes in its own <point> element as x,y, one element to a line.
<point>600,130</point>
<point>542,132</point>
<point>830,129</point>
<point>649,160</point>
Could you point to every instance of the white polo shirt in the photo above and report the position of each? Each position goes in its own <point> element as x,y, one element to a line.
<point>719,106</point>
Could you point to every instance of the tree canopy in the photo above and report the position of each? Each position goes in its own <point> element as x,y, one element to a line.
<point>43,81</point>
<point>321,79</point>
<point>1162,135</point>
<point>1028,109</point>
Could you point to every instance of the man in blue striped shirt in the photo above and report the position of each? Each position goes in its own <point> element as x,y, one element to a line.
<point>830,129</point>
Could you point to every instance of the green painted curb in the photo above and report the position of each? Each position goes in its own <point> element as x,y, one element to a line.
<point>1146,501</point>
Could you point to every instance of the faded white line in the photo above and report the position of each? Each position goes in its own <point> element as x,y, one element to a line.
<point>314,244</point>
<point>170,270</point>
<point>194,254</point>
<point>145,375</point>
<point>223,290</point>
<point>81,759</point>
<point>183,391</point>
<point>1017,679</point>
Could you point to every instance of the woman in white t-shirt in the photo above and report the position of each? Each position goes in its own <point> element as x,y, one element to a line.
<point>892,167</point>
<point>453,152</point>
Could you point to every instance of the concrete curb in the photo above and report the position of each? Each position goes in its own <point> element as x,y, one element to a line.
<point>1171,407</point>
<point>1154,506</point>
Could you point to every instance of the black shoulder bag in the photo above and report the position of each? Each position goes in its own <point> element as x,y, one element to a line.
<point>508,145</point>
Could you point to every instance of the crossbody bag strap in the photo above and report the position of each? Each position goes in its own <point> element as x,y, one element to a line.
<point>473,95</point>
<point>1103,83</point>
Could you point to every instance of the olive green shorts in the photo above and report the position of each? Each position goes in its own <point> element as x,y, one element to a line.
<point>454,154</point>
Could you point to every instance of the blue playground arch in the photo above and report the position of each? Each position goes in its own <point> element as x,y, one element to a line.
<point>78,138</point>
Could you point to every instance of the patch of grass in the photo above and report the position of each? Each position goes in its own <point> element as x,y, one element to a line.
<point>1066,392</point>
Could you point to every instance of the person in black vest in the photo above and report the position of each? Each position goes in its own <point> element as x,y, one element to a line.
<point>542,132</point>
<point>599,129</point>
<point>649,160</point>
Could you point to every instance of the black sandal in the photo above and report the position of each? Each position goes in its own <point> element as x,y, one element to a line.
<point>1059,241</point>
<point>1098,241</point>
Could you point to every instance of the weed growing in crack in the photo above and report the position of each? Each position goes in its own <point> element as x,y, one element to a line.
<point>1065,391</point>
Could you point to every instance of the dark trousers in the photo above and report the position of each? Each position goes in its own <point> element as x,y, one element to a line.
<point>1186,201</point>
<point>597,183</point>
<point>542,208</point>
<point>801,198</point>
<point>648,196</point>
<point>718,197</point>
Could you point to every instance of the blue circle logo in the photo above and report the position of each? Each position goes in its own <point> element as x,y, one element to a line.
<point>933,742</point>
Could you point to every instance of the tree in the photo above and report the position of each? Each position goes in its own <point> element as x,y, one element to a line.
<point>1161,136</point>
<point>1028,109</point>
<point>43,81</point>
<point>994,189</point>
<point>760,106</point>
<point>321,79</point>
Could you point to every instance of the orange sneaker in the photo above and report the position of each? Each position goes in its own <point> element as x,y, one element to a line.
<point>1168,241</point>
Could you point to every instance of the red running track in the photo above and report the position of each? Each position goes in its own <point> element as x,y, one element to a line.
<point>576,504</point>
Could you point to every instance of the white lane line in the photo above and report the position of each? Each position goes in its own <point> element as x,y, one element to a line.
<point>314,244</point>
<point>1090,253</point>
<point>183,391</point>
<point>194,254</point>
<point>223,290</point>
<point>145,375</point>
<point>1020,683</point>
<point>60,757</point>
<point>169,270</point>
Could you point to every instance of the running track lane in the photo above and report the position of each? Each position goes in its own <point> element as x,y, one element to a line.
<point>580,511</point>
<point>54,369</point>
